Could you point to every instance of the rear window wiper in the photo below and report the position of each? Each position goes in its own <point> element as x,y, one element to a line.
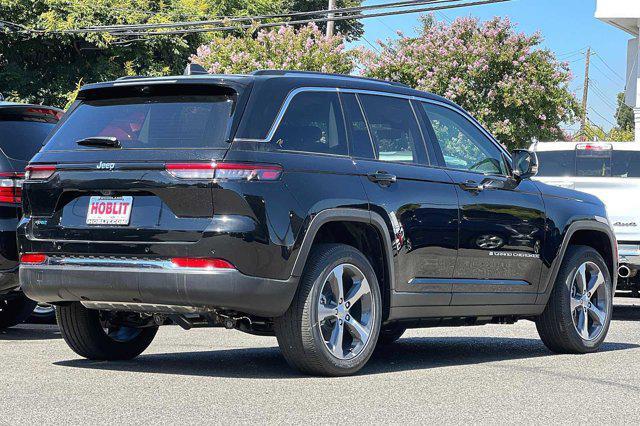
<point>106,141</point>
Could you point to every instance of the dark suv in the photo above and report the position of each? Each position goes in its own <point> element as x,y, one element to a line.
<point>332,211</point>
<point>23,128</point>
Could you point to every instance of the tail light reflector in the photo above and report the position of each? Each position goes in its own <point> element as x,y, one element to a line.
<point>40,171</point>
<point>200,263</point>
<point>11,188</point>
<point>33,258</point>
<point>227,171</point>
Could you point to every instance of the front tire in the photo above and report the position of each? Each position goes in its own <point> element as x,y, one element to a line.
<point>578,314</point>
<point>43,314</point>
<point>332,325</point>
<point>14,309</point>
<point>89,336</point>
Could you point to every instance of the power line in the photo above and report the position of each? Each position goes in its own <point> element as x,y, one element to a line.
<point>607,65</point>
<point>601,116</point>
<point>140,29</point>
<point>228,19</point>
<point>306,21</point>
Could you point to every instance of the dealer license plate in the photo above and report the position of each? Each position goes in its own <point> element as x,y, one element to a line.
<point>109,210</point>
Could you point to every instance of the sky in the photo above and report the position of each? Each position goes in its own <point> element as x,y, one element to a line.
<point>568,27</point>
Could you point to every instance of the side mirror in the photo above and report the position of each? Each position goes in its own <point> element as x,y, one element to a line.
<point>525,163</point>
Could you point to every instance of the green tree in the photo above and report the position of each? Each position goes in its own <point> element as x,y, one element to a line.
<point>624,115</point>
<point>305,48</point>
<point>352,29</point>
<point>504,78</point>
<point>45,67</point>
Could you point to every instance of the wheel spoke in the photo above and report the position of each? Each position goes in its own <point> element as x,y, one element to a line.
<point>357,330</point>
<point>581,278</point>
<point>595,282</point>
<point>583,324</point>
<point>336,279</point>
<point>335,341</point>
<point>325,312</point>
<point>597,314</point>
<point>359,289</point>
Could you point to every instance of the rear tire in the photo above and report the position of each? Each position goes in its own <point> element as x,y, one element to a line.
<point>14,309</point>
<point>323,333</point>
<point>577,316</point>
<point>85,334</point>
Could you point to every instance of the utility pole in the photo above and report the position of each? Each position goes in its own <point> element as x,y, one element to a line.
<point>330,16</point>
<point>585,95</point>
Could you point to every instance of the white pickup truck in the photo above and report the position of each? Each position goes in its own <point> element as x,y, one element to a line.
<point>610,171</point>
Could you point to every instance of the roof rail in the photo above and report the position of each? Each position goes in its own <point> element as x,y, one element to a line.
<point>131,77</point>
<point>334,75</point>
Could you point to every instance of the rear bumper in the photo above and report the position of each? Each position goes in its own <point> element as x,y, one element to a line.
<point>150,284</point>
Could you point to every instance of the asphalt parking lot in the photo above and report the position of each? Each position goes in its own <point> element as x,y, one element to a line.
<point>483,374</point>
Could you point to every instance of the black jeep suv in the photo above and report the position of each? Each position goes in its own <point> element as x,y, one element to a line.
<point>331,211</point>
<point>23,128</point>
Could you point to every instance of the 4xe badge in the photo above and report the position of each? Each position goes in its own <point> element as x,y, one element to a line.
<point>105,166</point>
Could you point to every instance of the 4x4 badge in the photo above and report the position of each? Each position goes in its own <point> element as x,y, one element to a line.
<point>105,166</point>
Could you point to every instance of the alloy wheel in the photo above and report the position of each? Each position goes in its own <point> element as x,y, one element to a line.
<point>346,311</point>
<point>589,301</point>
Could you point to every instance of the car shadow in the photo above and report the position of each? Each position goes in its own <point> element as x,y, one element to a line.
<point>626,312</point>
<point>31,332</point>
<point>268,363</point>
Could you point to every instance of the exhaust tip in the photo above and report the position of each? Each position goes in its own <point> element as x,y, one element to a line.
<point>624,271</point>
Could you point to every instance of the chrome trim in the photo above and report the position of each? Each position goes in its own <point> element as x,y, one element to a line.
<point>145,307</point>
<point>108,262</point>
<point>293,93</point>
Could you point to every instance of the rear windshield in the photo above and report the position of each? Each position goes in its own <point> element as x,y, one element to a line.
<point>152,122</point>
<point>21,138</point>
<point>581,163</point>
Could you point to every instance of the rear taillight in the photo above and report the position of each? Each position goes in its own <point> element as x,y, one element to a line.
<point>33,258</point>
<point>594,146</point>
<point>200,263</point>
<point>11,188</point>
<point>40,171</point>
<point>226,171</point>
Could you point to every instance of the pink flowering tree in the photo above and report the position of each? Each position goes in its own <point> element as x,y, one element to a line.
<point>503,78</point>
<point>306,48</point>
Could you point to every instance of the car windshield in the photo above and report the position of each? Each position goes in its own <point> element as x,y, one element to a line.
<point>22,139</point>
<point>151,122</point>
<point>597,163</point>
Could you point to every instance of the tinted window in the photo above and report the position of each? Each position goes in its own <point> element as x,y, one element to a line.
<point>393,126</point>
<point>152,122</point>
<point>312,123</point>
<point>356,127</point>
<point>22,139</point>
<point>556,163</point>
<point>463,145</point>
<point>605,163</point>
<point>625,164</point>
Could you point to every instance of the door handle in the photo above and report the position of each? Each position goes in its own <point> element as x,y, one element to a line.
<point>471,186</point>
<point>382,178</point>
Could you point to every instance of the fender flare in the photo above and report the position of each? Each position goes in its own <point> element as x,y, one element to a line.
<point>580,225</point>
<point>345,215</point>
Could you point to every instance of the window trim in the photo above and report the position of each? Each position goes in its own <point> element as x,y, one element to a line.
<point>338,90</point>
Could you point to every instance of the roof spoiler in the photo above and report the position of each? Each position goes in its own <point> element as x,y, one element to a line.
<point>194,69</point>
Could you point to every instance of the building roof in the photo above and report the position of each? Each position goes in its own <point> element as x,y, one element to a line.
<point>623,14</point>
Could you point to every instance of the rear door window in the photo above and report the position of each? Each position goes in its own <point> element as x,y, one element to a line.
<point>394,129</point>
<point>359,138</point>
<point>312,123</point>
<point>22,139</point>
<point>153,122</point>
